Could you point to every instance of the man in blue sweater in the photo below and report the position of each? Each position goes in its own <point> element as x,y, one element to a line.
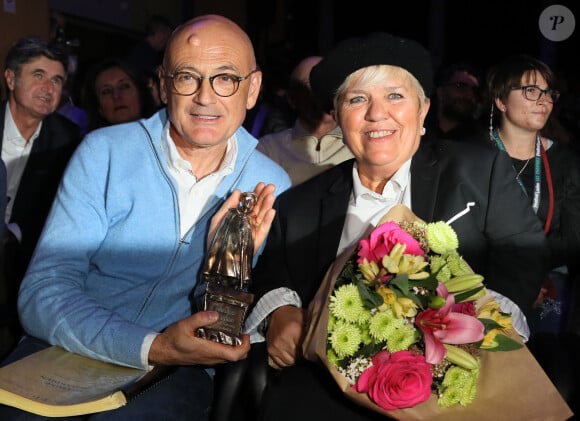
<point>116,274</point>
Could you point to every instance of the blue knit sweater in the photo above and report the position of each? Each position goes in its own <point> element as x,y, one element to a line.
<point>110,266</point>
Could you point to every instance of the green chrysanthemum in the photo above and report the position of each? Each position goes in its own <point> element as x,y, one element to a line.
<point>345,339</point>
<point>450,396</point>
<point>437,262</point>
<point>439,266</point>
<point>469,387</point>
<point>457,265</point>
<point>456,376</point>
<point>441,237</point>
<point>331,322</point>
<point>458,387</point>
<point>332,357</point>
<point>470,394</point>
<point>382,324</point>
<point>401,338</point>
<point>347,304</point>
<point>365,334</point>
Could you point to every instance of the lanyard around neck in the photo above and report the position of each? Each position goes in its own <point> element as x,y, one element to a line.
<point>540,157</point>
<point>537,168</point>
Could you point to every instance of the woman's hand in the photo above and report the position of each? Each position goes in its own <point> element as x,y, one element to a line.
<point>285,336</point>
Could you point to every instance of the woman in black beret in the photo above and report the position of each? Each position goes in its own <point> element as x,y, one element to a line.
<point>378,88</point>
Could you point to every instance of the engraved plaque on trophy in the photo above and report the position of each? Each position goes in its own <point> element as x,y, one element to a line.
<point>227,273</point>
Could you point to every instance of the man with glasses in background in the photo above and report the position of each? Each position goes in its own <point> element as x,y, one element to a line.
<point>458,104</point>
<point>116,274</point>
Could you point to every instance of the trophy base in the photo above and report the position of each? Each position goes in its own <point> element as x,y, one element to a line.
<point>232,305</point>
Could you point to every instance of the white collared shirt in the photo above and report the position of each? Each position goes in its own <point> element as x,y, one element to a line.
<point>366,207</point>
<point>15,153</point>
<point>193,194</point>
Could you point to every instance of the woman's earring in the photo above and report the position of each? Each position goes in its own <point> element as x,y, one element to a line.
<point>423,131</point>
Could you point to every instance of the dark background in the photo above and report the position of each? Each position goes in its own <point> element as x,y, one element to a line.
<point>477,31</point>
<point>284,31</point>
<point>481,32</point>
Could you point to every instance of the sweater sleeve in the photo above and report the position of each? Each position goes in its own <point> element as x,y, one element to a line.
<point>53,303</point>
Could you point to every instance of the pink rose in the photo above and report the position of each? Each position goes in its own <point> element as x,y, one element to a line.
<point>395,381</point>
<point>382,240</point>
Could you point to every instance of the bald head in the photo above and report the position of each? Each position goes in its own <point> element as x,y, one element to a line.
<point>208,80</point>
<point>212,32</point>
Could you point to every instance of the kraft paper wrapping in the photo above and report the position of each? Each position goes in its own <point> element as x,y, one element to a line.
<point>512,386</point>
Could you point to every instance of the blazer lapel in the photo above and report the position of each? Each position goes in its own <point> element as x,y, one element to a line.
<point>334,203</point>
<point>333,208</point>
<point>424,181</point>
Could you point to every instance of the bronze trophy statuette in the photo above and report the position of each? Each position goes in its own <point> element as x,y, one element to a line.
<point>228,272</point>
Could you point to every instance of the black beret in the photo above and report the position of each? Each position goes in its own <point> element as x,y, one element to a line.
<point>353,54</point>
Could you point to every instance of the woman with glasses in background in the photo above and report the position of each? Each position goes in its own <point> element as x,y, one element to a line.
<point>522,122</point>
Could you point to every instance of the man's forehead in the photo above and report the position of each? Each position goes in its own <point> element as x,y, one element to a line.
<point>44,63</point>
<point>202,51</point>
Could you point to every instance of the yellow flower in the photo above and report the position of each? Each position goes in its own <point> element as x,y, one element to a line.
<point>505,321</point>
<point>492,311</point>
<point>489,341</point>
<point>487,310</point>
<point>392,260</point>
<point>369,270</point>
<point>413,266</point>
<point>404,307</point>
<point>389,296</point>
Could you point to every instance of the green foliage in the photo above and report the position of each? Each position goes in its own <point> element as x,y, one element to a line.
<point>371,299</point>
<point>463,296</point>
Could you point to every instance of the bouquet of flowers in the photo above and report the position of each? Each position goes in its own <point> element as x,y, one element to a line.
<point>407,319</point>
<point>403,318</point>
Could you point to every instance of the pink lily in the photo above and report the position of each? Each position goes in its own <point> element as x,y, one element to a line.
<point>443,325</point>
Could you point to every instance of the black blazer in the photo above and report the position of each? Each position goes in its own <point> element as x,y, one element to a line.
<point>51,151</point>
<point>500,237</point>
<point>2,196</point>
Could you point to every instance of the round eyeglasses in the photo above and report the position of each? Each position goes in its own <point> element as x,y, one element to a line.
<point>223,84</point>
<point>534,93</point>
